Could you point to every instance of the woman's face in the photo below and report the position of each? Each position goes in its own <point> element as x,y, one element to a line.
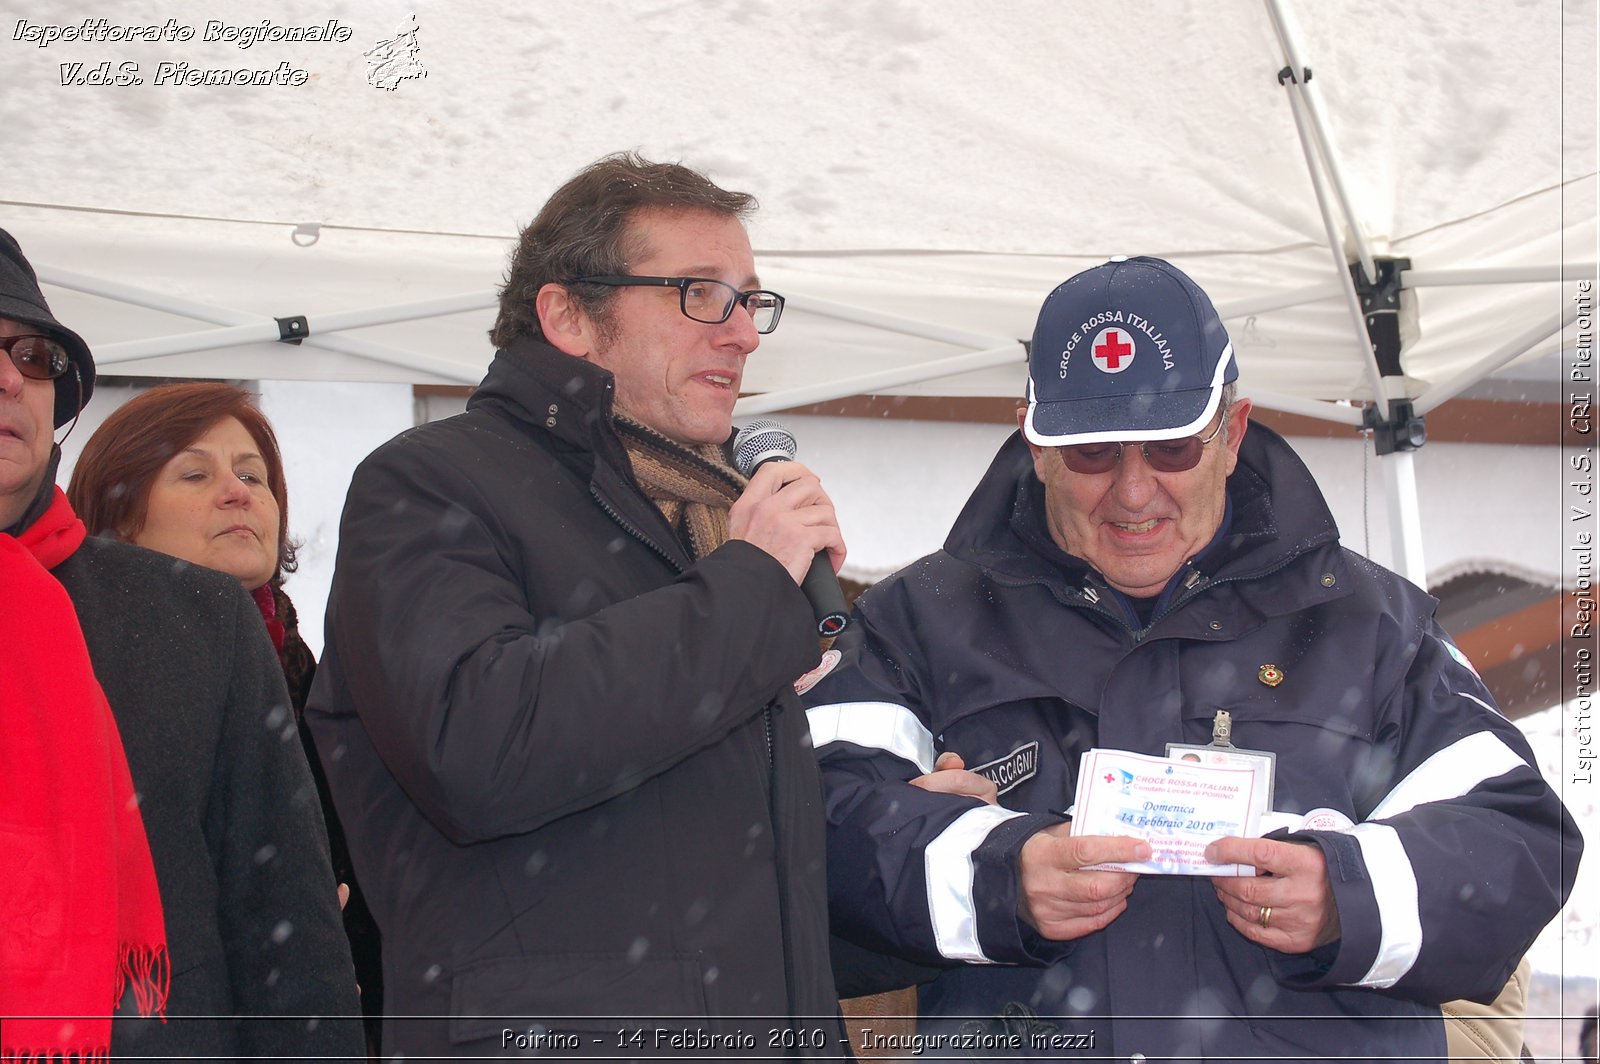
<point>211,505</point>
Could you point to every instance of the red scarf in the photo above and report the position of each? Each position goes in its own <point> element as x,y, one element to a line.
<point>268,605</point>
<point>80,913</point>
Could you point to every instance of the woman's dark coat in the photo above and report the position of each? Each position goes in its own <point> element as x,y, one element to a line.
<point>240,853</point>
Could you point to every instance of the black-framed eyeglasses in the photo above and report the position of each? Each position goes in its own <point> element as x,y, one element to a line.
<point>37,357</point>
<point>1164,456</point>
<point>705,300</point>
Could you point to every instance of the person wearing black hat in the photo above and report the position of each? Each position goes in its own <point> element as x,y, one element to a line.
<point>82,908</point>
<point>255,961</point>
<point>41,349</point>
<point>1143,574</point>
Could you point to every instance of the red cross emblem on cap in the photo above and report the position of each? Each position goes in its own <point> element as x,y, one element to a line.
<point>1113,350</point>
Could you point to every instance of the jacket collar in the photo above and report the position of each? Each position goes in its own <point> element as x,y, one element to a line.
<point>568,402</point>
<point>554,393</point>
<point>43,495</point>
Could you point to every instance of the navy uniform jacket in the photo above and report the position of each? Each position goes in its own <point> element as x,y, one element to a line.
<point>1017,656</point>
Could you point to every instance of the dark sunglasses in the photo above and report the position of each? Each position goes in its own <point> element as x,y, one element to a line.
<point>704,300</point>
<point>37,357</point>
<point>1164,456</point>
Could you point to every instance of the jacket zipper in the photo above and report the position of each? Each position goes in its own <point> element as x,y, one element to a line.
<point>766,713</point>
<point>1083,599</point>
<point>766,710</point>
<point>611,512</point>
<point>1203,584</point>
<point>766,734</point>
<point>766,737</point>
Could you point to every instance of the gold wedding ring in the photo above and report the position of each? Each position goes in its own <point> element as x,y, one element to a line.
<point>1264,915</point>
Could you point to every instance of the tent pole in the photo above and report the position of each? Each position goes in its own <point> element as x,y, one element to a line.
<point>1300,88</point>
<point>1553,273</point>
<point>1239,308</point>
<point>1512,349</point>
<point>394,356</point>
<point>1317,408</point>
<point>1405,518</point>
<point>827,308</point>
<point>321,324</point>
<point>144,297</point>
<point>439,307</point>
<point>1414,278</point>
<point>186,343</point>
<point>1010,354</point>
<point>214,315</point>
<point>1336,247</point>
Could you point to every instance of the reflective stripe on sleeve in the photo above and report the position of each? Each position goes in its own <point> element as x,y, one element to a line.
<point>1449,773</point>
<point>951,908</point>
<point>1446,775</point>
<point>875,725</point>
<point>1394,887</point>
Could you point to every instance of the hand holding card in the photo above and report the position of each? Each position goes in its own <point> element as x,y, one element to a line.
<point>1178,807</point>
<point>1064,890</point>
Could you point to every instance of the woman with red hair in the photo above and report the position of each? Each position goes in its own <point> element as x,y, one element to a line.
<point>194,470</point>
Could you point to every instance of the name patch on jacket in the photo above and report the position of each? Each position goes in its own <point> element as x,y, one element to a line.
<point>1006,772</point>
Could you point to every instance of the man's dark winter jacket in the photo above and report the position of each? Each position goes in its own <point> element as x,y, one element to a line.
<point>1447,852</point>
<point>569,760</point>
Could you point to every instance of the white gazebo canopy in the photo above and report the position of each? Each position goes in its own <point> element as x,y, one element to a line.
<point>928,172</point>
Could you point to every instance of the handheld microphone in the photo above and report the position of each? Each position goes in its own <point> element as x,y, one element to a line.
<point>763,441</point>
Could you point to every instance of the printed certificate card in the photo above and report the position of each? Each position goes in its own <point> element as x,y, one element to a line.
<point>1176,806</point>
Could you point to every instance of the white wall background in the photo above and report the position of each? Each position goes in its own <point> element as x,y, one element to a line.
<point>899,484</point>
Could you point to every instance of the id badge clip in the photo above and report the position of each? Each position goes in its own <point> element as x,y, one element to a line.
<point>1221,751</point>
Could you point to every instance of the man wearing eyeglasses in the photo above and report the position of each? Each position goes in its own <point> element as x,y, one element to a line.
<point>557,703</point>
<point>1142,572</point>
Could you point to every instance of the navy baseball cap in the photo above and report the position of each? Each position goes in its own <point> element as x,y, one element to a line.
<point>1130,350</point>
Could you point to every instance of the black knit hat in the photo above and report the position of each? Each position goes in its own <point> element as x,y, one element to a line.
<point>23,302</point>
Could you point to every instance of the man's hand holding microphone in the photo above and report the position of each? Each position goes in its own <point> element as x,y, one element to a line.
<point>785,512</point>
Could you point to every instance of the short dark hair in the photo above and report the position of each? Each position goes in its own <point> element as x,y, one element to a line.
<point>585,229</point>
<point>110,488</point>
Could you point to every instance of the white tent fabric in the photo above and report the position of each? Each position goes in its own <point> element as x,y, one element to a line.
<point>940,163</point>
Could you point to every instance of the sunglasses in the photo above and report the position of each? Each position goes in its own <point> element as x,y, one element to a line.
<point>36,357</point>
<point>1164,456</point>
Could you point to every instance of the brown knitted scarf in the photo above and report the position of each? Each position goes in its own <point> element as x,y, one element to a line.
<point>692,486</point>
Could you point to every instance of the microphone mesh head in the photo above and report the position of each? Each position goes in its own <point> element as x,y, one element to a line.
<point>760,441</point>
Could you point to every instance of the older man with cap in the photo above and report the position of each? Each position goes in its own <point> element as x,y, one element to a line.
<point>1140,576</point>
<point>219,908</point>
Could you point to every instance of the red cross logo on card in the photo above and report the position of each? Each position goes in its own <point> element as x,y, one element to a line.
<point>1113,350</point>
